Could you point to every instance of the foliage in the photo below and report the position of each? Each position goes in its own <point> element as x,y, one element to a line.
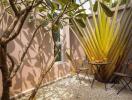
<point>49,14</point>
<point>106,38</point>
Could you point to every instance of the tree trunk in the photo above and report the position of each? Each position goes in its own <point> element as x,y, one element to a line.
<point>5,73</point>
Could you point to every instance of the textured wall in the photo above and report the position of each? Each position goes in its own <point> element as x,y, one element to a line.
<point>76,48</point>
<point>40,55</point>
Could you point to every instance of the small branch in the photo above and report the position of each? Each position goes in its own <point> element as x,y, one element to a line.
<point>14,7</point>
<point>61,14</point>
<point>12,63</point>
<point>42,78</point>
<point>33,2</point>
<point>78,7</point>
<point>45,4</point>
<point>26,11</point>
<point>32,6</point>
<point>23,3</point>
<point>2,16</point>
<point>16,33</point>
<point>10,29</point>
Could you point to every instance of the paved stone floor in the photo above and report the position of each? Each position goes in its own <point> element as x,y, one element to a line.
<point>71,89</point>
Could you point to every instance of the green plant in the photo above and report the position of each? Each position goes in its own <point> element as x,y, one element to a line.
<point>106,38</point>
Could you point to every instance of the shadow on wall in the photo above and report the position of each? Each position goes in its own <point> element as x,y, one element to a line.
<point>39,56</point>
<point>76,48</point>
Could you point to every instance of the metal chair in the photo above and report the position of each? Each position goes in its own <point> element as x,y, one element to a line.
<point>124,77</point>
<point>79,66</point>
<point>82,66</point>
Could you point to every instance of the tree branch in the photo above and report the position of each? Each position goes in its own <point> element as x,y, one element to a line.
<point>9,35</point>
<point>16,33</point>
<point>14,8</point>
<point>2,16</point>
<point>9,30</point>
<point>12,63</point>
<point>25,52</point>
<point>31,6</point>
<point>42,76</point>
<point>62,13</point>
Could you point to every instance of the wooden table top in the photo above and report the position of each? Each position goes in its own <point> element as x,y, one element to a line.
<point>99,63</point>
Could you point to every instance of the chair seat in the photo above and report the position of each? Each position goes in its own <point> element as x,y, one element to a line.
<point>122,75</point>
<point>82,68</point>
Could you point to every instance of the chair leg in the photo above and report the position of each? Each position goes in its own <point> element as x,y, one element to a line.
<point>92,82</point>
<point>124,86</point>
<point>122,83</point>
<point>113,85</point>
<point>89,79</point>
<point>127,83</point>
<point>88,76</point>
<point>105,86</point>
<point>121,89</point>
<point>116,82</point>
<point>85,76</point>
<point>78,76</point>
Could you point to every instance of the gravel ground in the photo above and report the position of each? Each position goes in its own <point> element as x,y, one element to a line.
<point>71,89</point>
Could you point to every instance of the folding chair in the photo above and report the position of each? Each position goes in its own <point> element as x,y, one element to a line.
<point>82,66</point>
<point>124,77</point>
<point>79,66</point>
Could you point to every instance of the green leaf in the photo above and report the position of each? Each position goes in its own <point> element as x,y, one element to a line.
<point>41,9</point>
<point>49,16</point>
<point>95,6</point>
<point>71,14</point>
<point>107,0</point>
<point>54,7</point>
<point>45,23</point>
<point>62,2</point>
<point>5,2</point>
<point>66,18</point>
<point>19,7</point>
<point>107,10</point>
<point>57,26</point>
<point>80,22</point>
<point>80,10</point>
<point>81,15</point>
<point>74,6</point>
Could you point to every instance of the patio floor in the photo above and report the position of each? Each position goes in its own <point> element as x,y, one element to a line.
<point>71,89</point>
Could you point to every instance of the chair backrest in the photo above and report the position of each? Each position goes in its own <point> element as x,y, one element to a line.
<point>81,62</point>
<point>85,63</point>
<point>78,62</point>
<point>129,66</point>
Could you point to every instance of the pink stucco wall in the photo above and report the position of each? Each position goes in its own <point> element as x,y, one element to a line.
<point>40,55</point>
<point>76,48</point>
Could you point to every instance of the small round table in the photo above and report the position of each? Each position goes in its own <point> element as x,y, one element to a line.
<point>98,65</point>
